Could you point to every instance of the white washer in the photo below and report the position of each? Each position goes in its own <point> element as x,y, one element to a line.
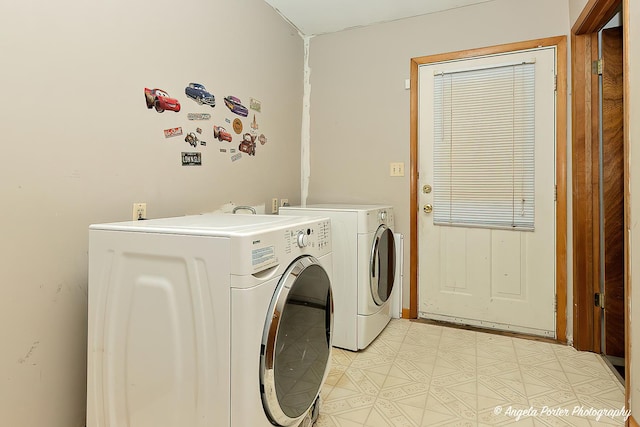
<point>364,259</point>
<point>208,321</point>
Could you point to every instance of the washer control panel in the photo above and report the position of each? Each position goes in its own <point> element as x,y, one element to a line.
<point>315,235</point>
<point>303,238</point>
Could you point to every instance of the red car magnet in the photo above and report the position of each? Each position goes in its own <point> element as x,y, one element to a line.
<point>160,100</point>
<point>221,134</point>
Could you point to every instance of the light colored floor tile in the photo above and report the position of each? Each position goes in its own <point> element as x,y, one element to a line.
<point>340,357</point>
<point>433,418</point>
<point>325,420</point>
<point>389,413</point>
<point>358,416</point>
<point>416,375</point>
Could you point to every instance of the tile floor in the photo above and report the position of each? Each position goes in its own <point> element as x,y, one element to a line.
<point>416,374</point>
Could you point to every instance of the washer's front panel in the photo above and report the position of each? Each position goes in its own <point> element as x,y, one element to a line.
<point>248,310</point>
<point>158,330</point>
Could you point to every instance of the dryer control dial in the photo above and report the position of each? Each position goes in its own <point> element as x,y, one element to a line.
<point>382,215</point>
<point>303,239</point>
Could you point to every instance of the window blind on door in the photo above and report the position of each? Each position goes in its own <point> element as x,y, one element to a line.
<point>484,147</point>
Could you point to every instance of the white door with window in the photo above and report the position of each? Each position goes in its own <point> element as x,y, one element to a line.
<point>487,191</point>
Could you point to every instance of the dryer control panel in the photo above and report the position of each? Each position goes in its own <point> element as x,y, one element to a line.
<point>377,217</point>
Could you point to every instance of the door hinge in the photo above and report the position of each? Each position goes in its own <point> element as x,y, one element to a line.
<point>555,83</point>
<point>597,66</point>
<point>555,193</point>
<point>555,303</point>
<point>598,300</point>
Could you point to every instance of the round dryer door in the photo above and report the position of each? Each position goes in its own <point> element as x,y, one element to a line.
<point>383,264</point>
<point>296,342</point>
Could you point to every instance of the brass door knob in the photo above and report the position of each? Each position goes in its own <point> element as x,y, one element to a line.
<point>427,208</point>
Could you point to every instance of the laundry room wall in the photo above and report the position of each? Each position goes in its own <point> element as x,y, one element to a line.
<point>575,8</point>
<point>79,146</point>
<point>360,108</point>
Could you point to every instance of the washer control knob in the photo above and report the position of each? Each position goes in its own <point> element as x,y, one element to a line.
<point>383,215</point>
<point>303,239</point>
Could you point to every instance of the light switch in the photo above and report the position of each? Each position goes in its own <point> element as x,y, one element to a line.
<point>396,169</point>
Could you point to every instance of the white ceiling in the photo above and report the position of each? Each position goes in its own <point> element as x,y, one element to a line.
<point>313,17</point>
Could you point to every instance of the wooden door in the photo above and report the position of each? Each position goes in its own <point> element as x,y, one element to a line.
<point>613,192</point>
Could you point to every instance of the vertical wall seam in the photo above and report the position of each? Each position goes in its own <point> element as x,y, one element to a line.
<point>305,137</point>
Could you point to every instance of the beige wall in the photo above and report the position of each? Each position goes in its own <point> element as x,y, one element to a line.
<point>633,94</point>
<point>575,8</point>
<point>360,108</point>
<point>79,147</point>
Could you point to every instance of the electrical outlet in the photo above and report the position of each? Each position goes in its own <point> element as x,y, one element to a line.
<point>284,202</point>
<point>274,205</point>
<point>139,211</point>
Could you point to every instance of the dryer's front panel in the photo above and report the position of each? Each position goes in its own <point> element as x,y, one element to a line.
<point>296,343</point>
<point>376,276</point>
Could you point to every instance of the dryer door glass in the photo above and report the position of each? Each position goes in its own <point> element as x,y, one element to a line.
<point>296,342</point>
<point>383,265</point>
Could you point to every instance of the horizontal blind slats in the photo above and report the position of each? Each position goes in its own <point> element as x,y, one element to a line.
<point>484,147</point>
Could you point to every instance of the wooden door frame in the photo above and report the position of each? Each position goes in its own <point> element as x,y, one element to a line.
<point>595,15</point>
<point>560,43</point>
<point>585,175</point>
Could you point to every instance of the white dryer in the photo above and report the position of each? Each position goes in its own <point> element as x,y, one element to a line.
<point>208,321</point>
<point>364,268</point>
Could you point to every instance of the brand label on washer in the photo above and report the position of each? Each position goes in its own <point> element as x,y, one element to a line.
<point>263,256</point>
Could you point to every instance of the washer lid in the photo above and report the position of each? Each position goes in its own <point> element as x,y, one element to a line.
<point>255,243</point>
<point>221,225</point>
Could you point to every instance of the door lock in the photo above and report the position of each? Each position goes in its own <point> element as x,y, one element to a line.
<point>426,189</point>
<point>427,208</point>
